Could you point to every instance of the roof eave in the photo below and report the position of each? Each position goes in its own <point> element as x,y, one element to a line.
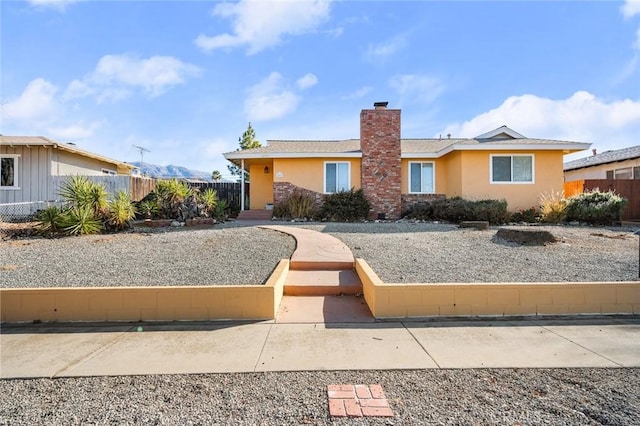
<point>566,148</point>
<point>238,155</point>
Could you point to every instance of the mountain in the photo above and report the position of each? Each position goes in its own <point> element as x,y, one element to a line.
<point>171,171</point>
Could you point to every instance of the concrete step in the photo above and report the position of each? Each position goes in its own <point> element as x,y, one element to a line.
<point>322,282</point>
<point>255,215</point>
<point>323,309</point>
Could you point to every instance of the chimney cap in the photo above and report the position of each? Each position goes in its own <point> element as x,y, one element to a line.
<point>380,105</point>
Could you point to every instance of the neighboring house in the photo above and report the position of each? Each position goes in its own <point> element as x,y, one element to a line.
<point>619,164</point>
<point>30,167</point>
<point>395,173</point>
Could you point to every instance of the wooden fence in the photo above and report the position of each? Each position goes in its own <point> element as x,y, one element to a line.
<point>629,189</point>
<point>229,191</point>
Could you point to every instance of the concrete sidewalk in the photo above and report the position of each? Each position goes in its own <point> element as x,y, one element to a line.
<point>222,347</point>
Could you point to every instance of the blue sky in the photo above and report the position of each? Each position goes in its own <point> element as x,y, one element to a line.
<point>183,78</point>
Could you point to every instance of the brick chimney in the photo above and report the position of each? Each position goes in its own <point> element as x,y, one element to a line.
<point>381,164</point>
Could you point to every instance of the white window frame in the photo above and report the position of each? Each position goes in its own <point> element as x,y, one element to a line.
<point>324,174</point>
<point>433,177</point>
<point>512,182</point>
<point>16,169</point>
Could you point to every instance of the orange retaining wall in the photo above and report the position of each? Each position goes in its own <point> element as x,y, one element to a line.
<point>145,303</point>
<point>496,299</point>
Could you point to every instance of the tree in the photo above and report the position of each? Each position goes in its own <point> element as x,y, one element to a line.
<point>247,141</point>
<point>216,176</point>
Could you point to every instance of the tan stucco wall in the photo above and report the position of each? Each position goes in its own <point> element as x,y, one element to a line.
<point>67,163</point>
<point>599,171</point>
<point>308,173</point>
<point>476,180</point>
<point>145,303</point>
<point>261,188</point>
<point>495,299</point>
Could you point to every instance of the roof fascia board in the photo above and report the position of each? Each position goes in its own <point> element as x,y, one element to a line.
<point>498,147</point>
<point>239,156</point>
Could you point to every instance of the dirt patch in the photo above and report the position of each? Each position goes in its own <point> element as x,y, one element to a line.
<point>9,231</point>
<point>613,237</point>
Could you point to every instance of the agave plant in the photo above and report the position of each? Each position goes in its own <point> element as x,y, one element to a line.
<point>171,194</point>
<point>148,208</point>
<point>220,211</point>
<point>121,211</point>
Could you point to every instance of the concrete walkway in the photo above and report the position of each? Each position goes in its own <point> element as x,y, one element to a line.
<point>221,347</point>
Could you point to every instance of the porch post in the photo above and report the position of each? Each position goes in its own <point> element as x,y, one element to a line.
<point>242,185</point>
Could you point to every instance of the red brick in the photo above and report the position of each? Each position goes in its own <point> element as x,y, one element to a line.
<point>377,412</point>
<point>340,387</point>
<point>336,408</point>
<point>376,391</point>
<point>353,409</point>
<point>342,394</point>
<point>378,402</point>
<point>362,391</point>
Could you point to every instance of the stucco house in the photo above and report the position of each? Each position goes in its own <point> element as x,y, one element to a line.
<point>31,167</point>
<point>395,173</point>
<point>618,164</point>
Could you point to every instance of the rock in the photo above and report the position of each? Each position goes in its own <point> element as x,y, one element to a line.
<point>176,224</point>
<point>525,237</point>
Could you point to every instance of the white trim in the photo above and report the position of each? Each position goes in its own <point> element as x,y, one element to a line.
<point>502,129</point>
<point>16,174</point>
<point>324,175</point>
<point>511,182</point>
<point>433,176</point>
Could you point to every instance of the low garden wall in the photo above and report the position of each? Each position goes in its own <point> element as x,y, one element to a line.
<point>495,299</point>
<point>145,303</point>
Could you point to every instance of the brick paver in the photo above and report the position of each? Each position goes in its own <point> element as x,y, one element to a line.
<point>358,401</point>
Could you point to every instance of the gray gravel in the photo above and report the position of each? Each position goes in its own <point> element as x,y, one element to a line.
<point>216,256</point>
<point>426,252</point>
<point>420,397</point>
<point>398,252</point>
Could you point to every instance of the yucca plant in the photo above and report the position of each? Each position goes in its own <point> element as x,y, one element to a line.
<point>220,211</point>
<point>121,211</point>
<point>171,193</point>
<point>80,221</point>
<point>50,221</point>
<point>148,208</point>
<point>208,199</point>
<point>81,192</point>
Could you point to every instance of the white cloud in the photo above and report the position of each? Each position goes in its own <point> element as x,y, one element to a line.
<point>357,94</point>
<point>36,104</point>
<point>306,81</point>
<point>270,99</point>
<point>582,117</point>
<point>630,8</point>
<point>636,44</point>
<point>262,24</point>
<point>52,4</point>
<point>385,49</point>
<point>75,131</point>
<point>417,88</point>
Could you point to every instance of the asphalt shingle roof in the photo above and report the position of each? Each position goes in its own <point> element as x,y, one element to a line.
<point>604,158</point>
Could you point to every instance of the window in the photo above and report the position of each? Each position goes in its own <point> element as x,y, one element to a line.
<point>626,173</point>
<point>109,172</point>
<point>636,172</point>
<point>9,171</point>
<point>337,177</point>
<point>512,169</point>
<point>421,178</point>
<point>609,174</point>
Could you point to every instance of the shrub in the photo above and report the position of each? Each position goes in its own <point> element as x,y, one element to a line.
<point>171,194</point>
<point>530,215</point>
<point>80,221</point>
<point>421,211</point>
<point>50,221</point>
<point>147,208</point>
<point>121,211</point>
<point>595,207</point>
<point>297,205</point>
<point>553,207</point>
<point>345,206</point>
<point>208,201</point>
<point>81,192</point>
<point>457,209</point>
<point>220,211</point>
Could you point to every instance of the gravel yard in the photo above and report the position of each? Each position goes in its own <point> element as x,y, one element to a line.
<point>398,252</point>
<point>216,256</point>
<point>417,397</point>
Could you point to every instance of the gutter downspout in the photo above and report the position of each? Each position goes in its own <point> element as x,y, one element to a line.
<point>242,185</point>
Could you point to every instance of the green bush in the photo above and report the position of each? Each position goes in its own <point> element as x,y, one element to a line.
<point>345,206</point>
<point>121,212</point>
<point>49,221</point>
<point>171,194</point>
<point>80,221</point>
<point>297,205</point>
<point>220,210</point>
<point>81,192</point>
<point>596,207</point>
<point>530,215</point>
<point>208,199</point>
<point>421,211</point>
<point>457,209</point>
